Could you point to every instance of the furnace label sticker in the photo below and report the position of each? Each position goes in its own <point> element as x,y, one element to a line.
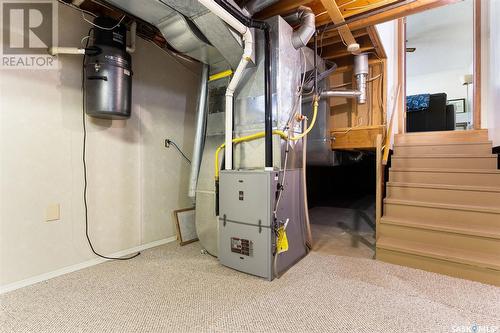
<point>241,246</point>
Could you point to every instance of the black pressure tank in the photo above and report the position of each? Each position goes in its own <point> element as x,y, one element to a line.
<point>108,72</point>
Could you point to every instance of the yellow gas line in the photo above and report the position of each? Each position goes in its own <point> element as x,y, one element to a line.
<point>220,75</point>
<point>243,139</point>
<point>313,121</point>
<point>259,135</point>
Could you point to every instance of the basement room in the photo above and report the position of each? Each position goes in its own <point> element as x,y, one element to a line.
<point>250,166</point>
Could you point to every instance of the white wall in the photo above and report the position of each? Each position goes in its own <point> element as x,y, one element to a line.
<point>438,81</point>
<point>134,182</point>
<point>443,39</point>
<point>443,81</point>
<point>388,36</point>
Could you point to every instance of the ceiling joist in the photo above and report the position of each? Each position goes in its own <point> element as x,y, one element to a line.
<point>337,18</point>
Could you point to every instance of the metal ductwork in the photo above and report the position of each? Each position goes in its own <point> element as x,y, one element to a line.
<point>190,29</point>
<point>199,138</point>
<point>253,7</point>
<point>307,20</point>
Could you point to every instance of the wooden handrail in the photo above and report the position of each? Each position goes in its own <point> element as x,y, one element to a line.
<point>387,143</point>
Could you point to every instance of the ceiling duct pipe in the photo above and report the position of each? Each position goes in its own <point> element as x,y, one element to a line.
<point>305,16</point>
<point>253,7</point>
<point>268,122</point>
<point>248,54</point>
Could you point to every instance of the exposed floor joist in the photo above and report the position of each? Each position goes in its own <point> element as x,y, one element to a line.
<point>337,18</point>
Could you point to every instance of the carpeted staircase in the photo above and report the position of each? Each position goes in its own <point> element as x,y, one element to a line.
<point>442,209</point>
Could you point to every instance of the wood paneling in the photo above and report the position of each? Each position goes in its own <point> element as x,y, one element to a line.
<point>403,9</point>
<point>332,37</point>
<point>362,137</point>
<point>341,53</point>
<point>332,47</point>
<point>353,8</point>
<point>358,13</point>
<point>346,112</point>
<point>346,8</point>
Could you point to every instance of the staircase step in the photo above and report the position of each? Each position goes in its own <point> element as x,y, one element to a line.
<point>445,226</point>
<point>446,161</point>
<point>468,177</point>
<point>440,137</point>
<point>467,148</point>
<point>447,194</point>
<point>483,217</point>
<point>474,246</point>
<point>444,261</point>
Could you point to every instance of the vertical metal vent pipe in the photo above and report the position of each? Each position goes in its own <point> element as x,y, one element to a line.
<point>199,138</point>
<point>361,71</point>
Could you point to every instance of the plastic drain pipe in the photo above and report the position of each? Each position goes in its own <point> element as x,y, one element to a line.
<point>248,54</point>
<point>268,116</point>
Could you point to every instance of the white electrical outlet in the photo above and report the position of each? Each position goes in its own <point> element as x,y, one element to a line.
<point>52,212</point>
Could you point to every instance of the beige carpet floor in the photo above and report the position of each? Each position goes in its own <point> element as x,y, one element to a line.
<point>177,289</point>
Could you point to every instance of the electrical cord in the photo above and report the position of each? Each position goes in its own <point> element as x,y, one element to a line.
<point>69,4</point>
<point>169,142</point>
<point>85,182</point>
<point>100,27</point>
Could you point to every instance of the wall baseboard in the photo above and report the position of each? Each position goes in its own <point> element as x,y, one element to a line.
<point>82,265</point>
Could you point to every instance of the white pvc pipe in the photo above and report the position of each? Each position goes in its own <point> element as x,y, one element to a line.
<point>133,32</point>
<point>238,73</point>
<point>225,16</point>
<point>247,55</point>
<point>65,50</point>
